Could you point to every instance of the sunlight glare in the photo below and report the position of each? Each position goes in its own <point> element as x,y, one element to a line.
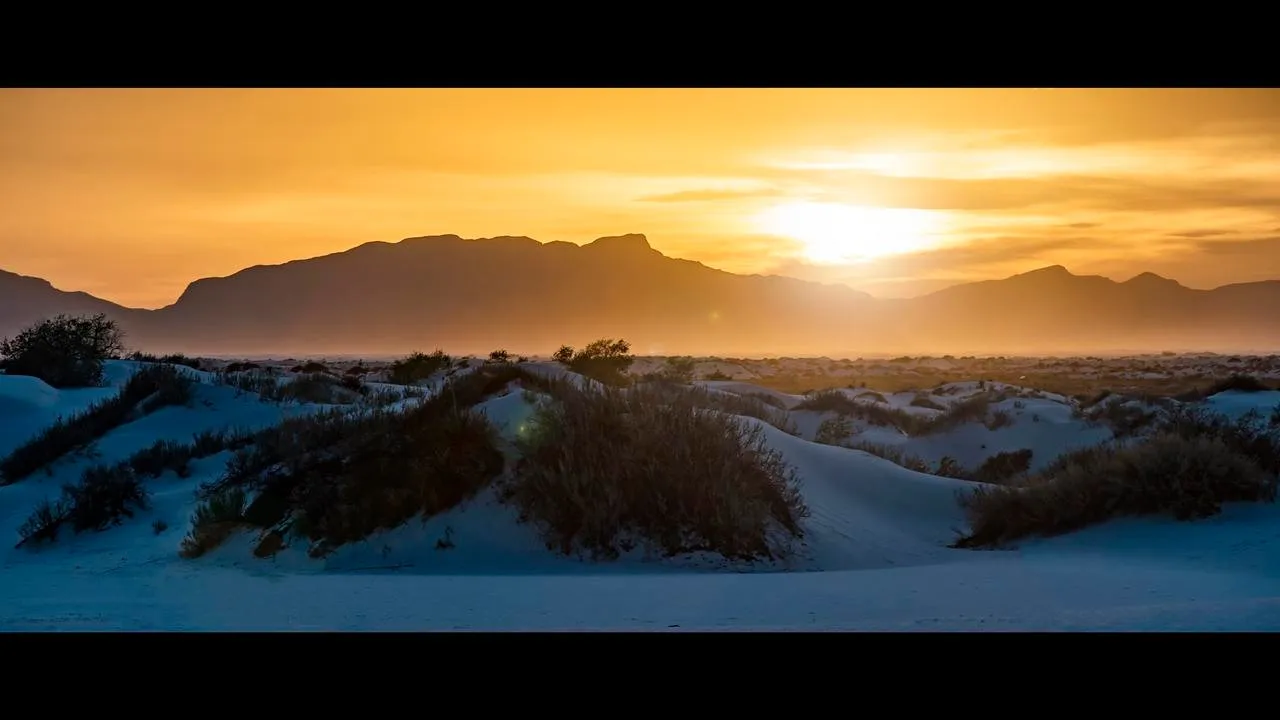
<point>834,233</point>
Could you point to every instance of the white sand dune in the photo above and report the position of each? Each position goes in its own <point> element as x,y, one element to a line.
<point>874,556</point>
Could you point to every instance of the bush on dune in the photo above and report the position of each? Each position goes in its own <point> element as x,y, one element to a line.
<point>149,389</point>
<point>1004,467</point>
<point>605,361</point>
<point>105,495</point>
<point>418,366</point>
<point>1236,383</point>
<point>731,403</point>
<point>172,359</point>
<point>1188,468</point>
<point>64,351</point>
<point>602,469</point>
<point>336,477</point>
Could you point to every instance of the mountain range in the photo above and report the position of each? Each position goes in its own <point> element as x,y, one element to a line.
<point>472,296</point>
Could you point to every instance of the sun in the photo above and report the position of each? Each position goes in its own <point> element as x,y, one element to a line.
<point>835,233</point>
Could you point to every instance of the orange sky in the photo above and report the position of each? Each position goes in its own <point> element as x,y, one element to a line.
<point>132,194</point>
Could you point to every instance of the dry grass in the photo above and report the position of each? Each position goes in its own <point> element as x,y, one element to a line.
<point>603,470</point>
<point>1188,472</point>
<point>149,389</point>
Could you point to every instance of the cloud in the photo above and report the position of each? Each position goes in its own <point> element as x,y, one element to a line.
<point>1063,192</point>
<point>1082,225</point>
<point>708,195</point>
<point>1266,246</point>
<point>1196,234</point>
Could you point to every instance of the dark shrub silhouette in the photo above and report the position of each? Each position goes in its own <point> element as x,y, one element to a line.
<point>418,366</point>
<point>606,360</point>
<point>64,351</point>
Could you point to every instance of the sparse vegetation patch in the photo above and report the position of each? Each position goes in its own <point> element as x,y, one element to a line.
<point>147,390</point>
<point>1188,468</point>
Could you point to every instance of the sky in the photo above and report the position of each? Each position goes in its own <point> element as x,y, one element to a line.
<point>132,194</point>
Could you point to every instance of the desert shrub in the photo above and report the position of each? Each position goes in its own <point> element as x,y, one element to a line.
<point>679,369</point>
<point>313,367</point>
<point>418,366</point>
<point>949,467</point>
<point>213,521</point>
<point>43,524</point>
<point>147,390</point>
<point>237,367</point>
<point>104,496</point>
<point>172,359</point>
<point>258,382</point>
<point>1123,417</point>
<point>924,401</point>
<point>64,351</point>
<point>416,465</point>
<point>317,388</point>
<point>1237,382</point>
<point>834,430</point>
<point>730,403</point>
<point>353,383</point>
<point>499,357</point>
<point>873,413</point>
<point>1248,436</point>
<point>999,419</point>
<point>717,375</point>
<point>161,456</point>
<point>767,399</point>
<point>1186,476</point>
<point>1003,467</point>
<point>971,409</point>
<point>895,455</point>
<point>830,400</point>
<point>602,469</point>
<point>606,360</point>
<point>335,477</point>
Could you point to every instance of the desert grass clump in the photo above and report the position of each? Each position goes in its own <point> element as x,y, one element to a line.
<point>602,470</point>
<point>829,400</point>
<point>895,455</point>
<point>874,413</point>
<point>1004,467</point>
<point>64,351</point>
<point>214,520</point>
<point>417,367</point>
<point>924,401</point>
<point>335,477</point>
<point>1185,476</point>
<point>731,403</point>
<point>834,430</point>
<point>105,496</point>
<point>998,419</point>
<point>147,390</point>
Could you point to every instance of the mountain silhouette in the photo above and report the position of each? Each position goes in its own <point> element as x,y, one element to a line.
<point>472,296</point>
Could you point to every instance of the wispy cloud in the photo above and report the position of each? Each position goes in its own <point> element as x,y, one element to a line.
<point>708,195</point>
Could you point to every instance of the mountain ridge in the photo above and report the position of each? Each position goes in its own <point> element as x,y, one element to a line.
<point>470,294</point>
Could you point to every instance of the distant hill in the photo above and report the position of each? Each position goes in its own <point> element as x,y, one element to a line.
<point>527,296</point>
